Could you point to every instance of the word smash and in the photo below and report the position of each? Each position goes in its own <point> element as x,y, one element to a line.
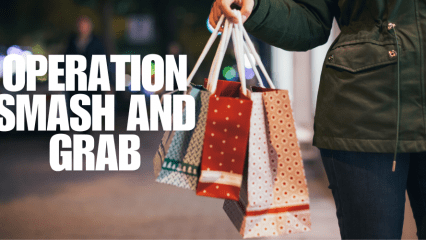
<point>66,153</point>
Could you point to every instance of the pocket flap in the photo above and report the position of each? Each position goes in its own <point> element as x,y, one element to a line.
<point>357,57</point>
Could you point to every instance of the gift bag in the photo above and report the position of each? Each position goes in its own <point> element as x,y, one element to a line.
<point>274,200</point>
<point>174,170</point>
<point>160,155</point>
<point>192,160</point>
<point>225,145</point>
<point>226,136</point>
<point>179,154</point>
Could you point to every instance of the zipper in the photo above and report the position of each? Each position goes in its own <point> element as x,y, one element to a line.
<point>391,26</point>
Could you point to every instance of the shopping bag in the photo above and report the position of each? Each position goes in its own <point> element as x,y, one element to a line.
<point>178,159</point>
<point>192,160</point>
<point>226,137</point>
<point>181,164</point>
<point>277,200</point>
<point>160,155</point>
<point>274,198</point>
<point>225,144</point>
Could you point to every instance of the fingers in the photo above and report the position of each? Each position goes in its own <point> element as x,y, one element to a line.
<point>225,7</point>
<point>218,14</point>
<point>246,9</point>
<point>214,15</point>
<point>211,19</point>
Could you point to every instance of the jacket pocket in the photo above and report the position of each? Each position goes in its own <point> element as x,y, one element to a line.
<point>359,56</point>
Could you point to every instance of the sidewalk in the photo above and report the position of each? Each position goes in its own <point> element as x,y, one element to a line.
<point>37,202</point>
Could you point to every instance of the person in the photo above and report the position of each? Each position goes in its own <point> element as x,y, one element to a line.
<point>84,43</point>
<point>370,119</point>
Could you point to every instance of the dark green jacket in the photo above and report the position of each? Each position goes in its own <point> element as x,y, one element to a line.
<point>357,106</point>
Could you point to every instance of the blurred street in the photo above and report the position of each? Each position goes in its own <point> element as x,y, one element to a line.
<point>37,202</point>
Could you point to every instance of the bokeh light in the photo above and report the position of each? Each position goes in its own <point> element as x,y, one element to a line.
<point>128,80</point>
<point>42,78</point>
<point>247,60</point>
<point>14,50</point>
<point>229,73</point>
<point>26,53</point>
<point>37,49</point>
<point>1,65</point>
<point>152,68</point>
<point>249,73</point>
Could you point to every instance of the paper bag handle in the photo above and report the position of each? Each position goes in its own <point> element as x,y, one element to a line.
<point>220,54</point>
<point>205,50</point>
<point>257,58</point>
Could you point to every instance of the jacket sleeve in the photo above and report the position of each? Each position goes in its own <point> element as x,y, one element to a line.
<point>294,25</point>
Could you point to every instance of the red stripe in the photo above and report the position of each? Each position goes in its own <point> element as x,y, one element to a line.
<point>279,210</point>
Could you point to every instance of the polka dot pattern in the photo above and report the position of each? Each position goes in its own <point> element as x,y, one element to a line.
<point>277,200</point>
<point>276,224</point>
<point>260,177</point>
<point>290,187</point>
<point>225,141</point>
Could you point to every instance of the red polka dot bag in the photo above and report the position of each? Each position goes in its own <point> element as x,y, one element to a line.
<point>274,198</point>
<point>227,129</point>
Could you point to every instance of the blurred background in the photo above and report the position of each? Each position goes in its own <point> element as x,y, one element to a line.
<point>36,202</point>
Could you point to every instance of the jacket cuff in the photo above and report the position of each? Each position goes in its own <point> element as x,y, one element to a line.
<point>260,10</point>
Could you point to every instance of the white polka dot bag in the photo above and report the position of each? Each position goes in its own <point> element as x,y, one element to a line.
<point>274,197</point>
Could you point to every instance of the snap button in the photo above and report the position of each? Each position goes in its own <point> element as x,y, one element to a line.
<point>391,26</point>
<point>331,58</point>
<point>392,53</point>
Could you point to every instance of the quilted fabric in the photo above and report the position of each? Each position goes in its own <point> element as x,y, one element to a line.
<point>277,200</point>
<point>225,142</point>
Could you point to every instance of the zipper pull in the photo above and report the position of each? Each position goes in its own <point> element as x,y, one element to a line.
<point>393,165</point>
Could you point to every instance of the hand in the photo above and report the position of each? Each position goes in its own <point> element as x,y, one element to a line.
<point>224,7</point>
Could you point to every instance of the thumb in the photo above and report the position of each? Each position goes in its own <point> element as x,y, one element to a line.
<point>246,9</point>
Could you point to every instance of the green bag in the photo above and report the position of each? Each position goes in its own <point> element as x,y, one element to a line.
<point>183,159</point>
